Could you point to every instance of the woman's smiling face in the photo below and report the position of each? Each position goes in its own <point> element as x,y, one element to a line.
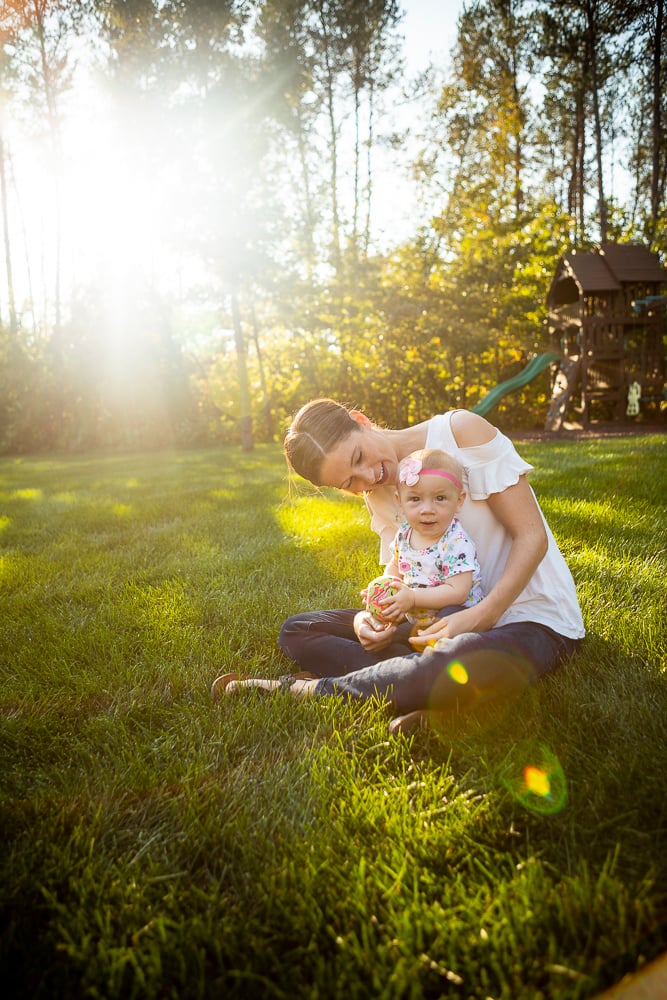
<point>360,463</point>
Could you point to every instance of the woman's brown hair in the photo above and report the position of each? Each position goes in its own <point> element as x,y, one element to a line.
<point>316,429</point>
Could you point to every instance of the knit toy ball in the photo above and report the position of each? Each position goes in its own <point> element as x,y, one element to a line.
<point>377,590</point>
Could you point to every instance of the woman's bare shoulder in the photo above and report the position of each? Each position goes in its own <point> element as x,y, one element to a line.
<point>469,429</point>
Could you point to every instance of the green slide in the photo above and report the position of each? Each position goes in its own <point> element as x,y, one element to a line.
<point>533,368</point>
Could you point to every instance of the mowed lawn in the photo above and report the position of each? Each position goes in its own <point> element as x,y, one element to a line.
<point>156,846</point>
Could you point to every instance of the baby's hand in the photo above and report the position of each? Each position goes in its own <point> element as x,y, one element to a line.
<point>395,607</point>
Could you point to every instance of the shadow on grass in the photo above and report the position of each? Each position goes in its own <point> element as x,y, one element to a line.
<point>160,846</point>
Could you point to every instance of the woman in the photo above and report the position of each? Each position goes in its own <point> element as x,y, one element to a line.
<point>527,623</point>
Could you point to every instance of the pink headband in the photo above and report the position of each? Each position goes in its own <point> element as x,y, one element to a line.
<point>411,469</point>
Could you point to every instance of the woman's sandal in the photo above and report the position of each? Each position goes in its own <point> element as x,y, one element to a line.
<point>220,684</point>
<point>413,721</point>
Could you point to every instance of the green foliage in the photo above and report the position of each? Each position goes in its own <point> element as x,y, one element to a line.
<point>236,265</point>
<point>159,846</point>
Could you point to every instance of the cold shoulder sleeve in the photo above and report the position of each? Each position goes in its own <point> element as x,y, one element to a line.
<point>492,467</point>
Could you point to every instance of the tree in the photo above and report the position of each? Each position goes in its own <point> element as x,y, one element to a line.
<point>38,37</point>
<point>236,207</point>
<point>214,106</point>
<point>649,98</point>
<point>586,57</point>
<point>326,54</point>
<point>4,204</point>
<point>370,60</point>
<point>288,60</point>
<point>658,142</point>
<point>482,128</point>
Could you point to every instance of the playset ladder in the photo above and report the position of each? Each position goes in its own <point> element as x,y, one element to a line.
<point>562,393</point>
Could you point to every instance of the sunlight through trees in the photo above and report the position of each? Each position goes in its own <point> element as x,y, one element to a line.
<point>193,241</point>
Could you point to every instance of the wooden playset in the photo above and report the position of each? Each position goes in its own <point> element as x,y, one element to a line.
<point>608,321</point>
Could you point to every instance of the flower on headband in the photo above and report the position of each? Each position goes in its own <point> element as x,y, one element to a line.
<point>409,471</point>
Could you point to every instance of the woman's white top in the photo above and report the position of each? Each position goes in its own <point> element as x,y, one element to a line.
<point>550,597</point>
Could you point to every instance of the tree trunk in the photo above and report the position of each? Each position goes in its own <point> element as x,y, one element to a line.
<point>268,421</point>
<point>591,32</point>
<point>355,210</point>
<point>309,214</point>
<point>242,370</point>
<point>517,116</point>
<point>333,139</point>
<point>518,148</point>
<point>13,323</point>
<point>369,168</point>
<point>581,169</point>
<point>54,131</point>
<point>656,139</point>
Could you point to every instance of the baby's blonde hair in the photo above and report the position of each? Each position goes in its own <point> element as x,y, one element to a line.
<point>434,458</point>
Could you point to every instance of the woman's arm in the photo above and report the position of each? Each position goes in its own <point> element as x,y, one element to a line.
<point>517,511</point>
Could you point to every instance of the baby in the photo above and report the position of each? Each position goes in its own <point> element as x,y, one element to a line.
<point>434,562</point>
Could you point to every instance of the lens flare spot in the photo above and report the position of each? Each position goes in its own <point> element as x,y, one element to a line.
<point>536,779</point>
<point>457,672</point>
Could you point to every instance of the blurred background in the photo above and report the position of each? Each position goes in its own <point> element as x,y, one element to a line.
<point>215,210</point>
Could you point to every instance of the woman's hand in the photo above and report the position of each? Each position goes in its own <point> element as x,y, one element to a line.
<point>372,634</point>
<point>466,620</point>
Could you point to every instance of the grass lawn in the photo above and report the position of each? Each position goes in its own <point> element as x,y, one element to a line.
<point>157,846</point>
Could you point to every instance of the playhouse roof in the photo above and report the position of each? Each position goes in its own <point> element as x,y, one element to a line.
<point>610,267</point>
<point>632,262</point>
<point>590,271</point>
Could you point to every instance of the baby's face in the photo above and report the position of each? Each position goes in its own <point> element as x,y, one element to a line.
<point>430,505</point>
